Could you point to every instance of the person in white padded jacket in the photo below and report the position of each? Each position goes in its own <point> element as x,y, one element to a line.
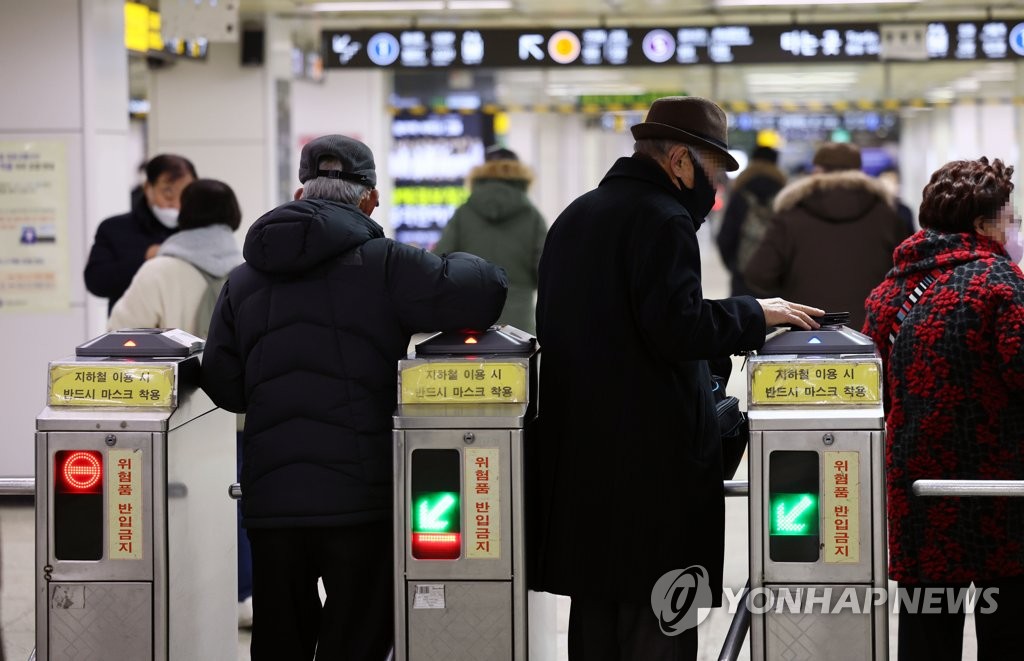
<point>169,290</point>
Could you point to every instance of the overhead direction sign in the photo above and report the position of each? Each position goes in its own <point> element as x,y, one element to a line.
<point>675,45</point>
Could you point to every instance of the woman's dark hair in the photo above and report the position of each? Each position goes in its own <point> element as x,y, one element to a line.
<point>171,164</point>
<point>961,191</point>
<point>208,202</point>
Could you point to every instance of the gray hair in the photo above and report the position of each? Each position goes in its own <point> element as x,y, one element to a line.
<point>334,190</point>
<point>656,148</point>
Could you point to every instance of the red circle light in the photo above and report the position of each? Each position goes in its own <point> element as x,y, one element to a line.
<point>82,470</point>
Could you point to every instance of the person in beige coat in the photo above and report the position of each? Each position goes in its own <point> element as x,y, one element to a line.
<point>832,237</point>
<point>168,291</point>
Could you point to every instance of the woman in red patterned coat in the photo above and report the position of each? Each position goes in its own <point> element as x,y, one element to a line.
<point>955,384</point>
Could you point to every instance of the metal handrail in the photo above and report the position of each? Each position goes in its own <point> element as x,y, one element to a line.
<point>984,488</point>
<point>737,630</point>
<point>736,487</point>
<point>17,486</point>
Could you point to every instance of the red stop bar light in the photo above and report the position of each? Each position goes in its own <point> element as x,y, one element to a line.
<point>78,505</point>
<point>79,471</point>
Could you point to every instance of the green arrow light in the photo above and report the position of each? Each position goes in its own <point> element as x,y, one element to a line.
<point>431,512</point>
<point>794,514</point>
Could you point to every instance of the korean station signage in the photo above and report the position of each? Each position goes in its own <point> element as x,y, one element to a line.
<point>127,385</point>
<point>802,383</point>
<point>464,382</point>
<point>667,46</point>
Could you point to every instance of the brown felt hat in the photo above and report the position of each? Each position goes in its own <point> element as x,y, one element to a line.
<point>837,156</point>
<point>688,119</point>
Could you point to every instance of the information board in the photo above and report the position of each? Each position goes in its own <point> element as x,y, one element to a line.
<point>738,43</point>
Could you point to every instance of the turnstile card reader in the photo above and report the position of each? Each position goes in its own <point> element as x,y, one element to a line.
<point>817,498</point>
<point>135,531</point>
<point>465,400</point>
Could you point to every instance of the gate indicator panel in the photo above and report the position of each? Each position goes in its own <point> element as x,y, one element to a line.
<point>78,505</point>
<point>436,510</point>
<point>793,513</point>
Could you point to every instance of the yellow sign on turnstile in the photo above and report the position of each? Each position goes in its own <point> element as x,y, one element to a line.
<point>841,532</point>
<point>815,383</point>
<point>464,382</point>
<point>124,504</point>
<point>122,384</point>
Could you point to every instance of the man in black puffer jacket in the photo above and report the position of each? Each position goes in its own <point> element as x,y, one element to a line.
<point>305,339</point>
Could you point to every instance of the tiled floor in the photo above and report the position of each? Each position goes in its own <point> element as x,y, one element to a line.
<point>17,541</point>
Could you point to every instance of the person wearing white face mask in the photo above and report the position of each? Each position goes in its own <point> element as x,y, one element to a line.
<point>949,322</point>
<point>124,242</point>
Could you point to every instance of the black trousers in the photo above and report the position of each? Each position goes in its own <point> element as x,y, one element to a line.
<point>616,631</point>
<point>938,636</point>
<point>356,622</point>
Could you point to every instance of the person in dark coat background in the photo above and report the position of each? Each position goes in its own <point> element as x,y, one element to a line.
<point>742,226</point>
<point>955,386</point>
<point>499,223</point>
<point>626,478</point>
<point>123,243</point>
<point>832,236</point>
<point>305,339</point>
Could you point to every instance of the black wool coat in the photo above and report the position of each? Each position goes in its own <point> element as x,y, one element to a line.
<point>626,477</point>
<point>305,339</point>
<point>119,249</point>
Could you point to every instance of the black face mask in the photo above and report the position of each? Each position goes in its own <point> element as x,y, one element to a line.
<point>703,193</point>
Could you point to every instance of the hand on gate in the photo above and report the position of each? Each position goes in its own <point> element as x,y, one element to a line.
<point>778,312</point>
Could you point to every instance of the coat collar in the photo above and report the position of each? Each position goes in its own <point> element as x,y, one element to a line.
<point>642,168</point>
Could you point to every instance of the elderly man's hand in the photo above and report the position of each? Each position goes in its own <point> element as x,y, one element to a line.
<point>778,311</point>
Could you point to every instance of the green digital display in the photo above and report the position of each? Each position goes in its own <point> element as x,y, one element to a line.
<point>793,514</point>
<point>436,512</point>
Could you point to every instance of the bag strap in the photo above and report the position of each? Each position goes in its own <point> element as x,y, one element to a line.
<point>911,301</point>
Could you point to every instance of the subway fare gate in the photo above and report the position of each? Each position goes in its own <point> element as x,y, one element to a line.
<point>135,530</point>
<point>464,402</point>
<point>817,498</point>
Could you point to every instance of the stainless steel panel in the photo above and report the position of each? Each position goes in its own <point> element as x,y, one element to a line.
<point>824,418</point>
<point>464,568</point>
<point>100,621</point>
<point>103,569</point>
<point>820,572</point>
<point>474,625</point>
<point>192,403</point>
<point>96,419</point>
<point>201,561</point>
<point>837,635</point>
<point>462,416</point>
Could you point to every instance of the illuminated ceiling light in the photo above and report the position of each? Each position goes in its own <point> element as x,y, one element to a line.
<point>792,3</point>
<point>370,6</point>
<point>458,5</point>
<point>388,5</point>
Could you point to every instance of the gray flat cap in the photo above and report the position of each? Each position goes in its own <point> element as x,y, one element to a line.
<point>355,157</point>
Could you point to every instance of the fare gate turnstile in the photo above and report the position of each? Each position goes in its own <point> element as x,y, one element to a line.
<point>465,400</point>
<point>135,531</point>
<point>817,498</point>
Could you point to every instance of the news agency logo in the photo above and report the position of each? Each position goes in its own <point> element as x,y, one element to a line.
<point>681,599</point>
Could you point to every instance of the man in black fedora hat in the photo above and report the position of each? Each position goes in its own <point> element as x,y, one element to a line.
<point>626,479</point>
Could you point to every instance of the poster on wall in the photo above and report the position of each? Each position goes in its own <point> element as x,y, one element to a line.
<point>34,251</point>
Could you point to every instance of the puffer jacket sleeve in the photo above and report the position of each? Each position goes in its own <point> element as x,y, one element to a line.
<point>432,293</point>
<point>223,374</point>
